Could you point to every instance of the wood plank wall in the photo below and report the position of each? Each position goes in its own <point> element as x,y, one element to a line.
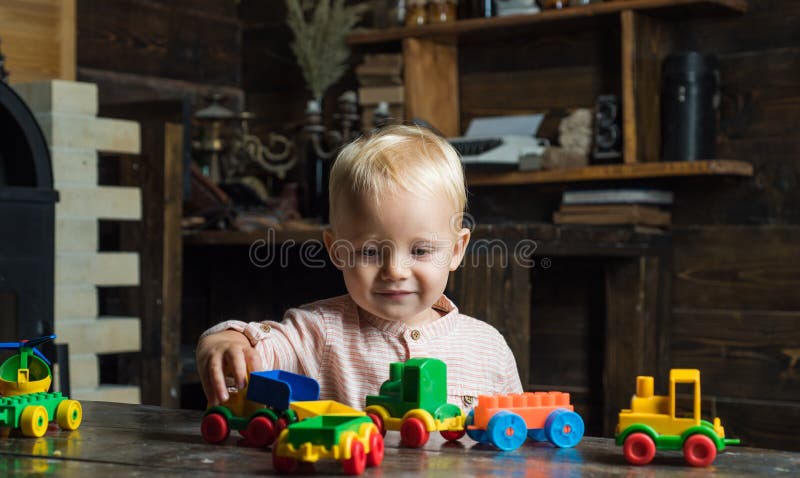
<point>736,310</point>
<point>144,50</point>
<point>521,74</point>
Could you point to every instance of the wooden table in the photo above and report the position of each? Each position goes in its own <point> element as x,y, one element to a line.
<point>118,440</point>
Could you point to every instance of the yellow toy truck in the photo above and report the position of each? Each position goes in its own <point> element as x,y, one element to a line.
<point>652,424</point>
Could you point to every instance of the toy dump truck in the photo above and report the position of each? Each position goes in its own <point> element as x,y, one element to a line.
<point>26,404</point>
<point>328,429</point>
<point>261,409</point>
<point>652,423</point>
<point>414,401</point>
<point>506,421</point>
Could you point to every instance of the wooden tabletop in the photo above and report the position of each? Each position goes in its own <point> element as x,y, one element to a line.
<point>118,440</point>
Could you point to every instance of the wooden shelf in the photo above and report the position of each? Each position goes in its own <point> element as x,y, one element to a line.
<point>238,238</point>
<point>657,8</point>
<point>716,167</point>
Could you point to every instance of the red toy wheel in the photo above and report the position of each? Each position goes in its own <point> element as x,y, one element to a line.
<point>214,428</point>
<point>282,464</point>
<point>413,433</point>
<point>452,435</point>
<point>639,449</point>
<point>378,421</point>
<point>281,425</point>
<point>375,455</point>
<point>358,460</point>
<point>260,432</point>
<point>699,450</point>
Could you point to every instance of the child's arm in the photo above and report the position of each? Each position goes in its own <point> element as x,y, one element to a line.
<point>224,352</point>
<point>235,348</point>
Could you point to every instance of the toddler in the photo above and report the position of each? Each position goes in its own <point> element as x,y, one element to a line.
<point>397,198</point>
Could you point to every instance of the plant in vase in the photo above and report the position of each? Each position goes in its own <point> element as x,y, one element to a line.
<point>320,30</point>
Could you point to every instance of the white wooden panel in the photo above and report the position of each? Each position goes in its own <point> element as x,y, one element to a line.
<point>104,202</point>
<point>59,96</point>
<point>100,336</point>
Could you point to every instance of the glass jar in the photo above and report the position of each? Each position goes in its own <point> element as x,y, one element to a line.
<point>548,4</point>
<point>442,11</point>
<point>388,13</point>
<point>416,13</point>
<point>397,12</point>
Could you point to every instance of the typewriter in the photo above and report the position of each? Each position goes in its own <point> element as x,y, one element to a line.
<point>501,143</point>
<point>504,152</point>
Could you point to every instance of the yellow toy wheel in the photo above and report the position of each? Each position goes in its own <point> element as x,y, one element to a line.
<point>34,421</point>
<point>69,414</point>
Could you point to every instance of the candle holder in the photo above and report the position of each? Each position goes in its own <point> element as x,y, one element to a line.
<point>318,145</point>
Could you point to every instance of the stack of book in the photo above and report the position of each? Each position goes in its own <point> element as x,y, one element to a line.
<point>637,207</point>
<point>380,79</point>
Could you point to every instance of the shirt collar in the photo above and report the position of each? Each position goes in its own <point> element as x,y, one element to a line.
<point>439,327</point>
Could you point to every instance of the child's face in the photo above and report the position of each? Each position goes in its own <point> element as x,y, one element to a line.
<point>396,256</point>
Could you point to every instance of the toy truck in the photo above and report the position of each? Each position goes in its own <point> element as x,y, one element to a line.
<point>26,404</point>
<point>505,421</point>
<point>414,401</point>
<point>328,429</point>
<point>652,424</point>
<point>261,409</point>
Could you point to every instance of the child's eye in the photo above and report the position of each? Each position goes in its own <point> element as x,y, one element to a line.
<point>368,252</point>
<point>421,251</point>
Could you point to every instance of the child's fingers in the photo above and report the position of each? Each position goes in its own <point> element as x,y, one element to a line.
<point>216,380</point>
<point>237,361</point>
<point>208,390</point>
<point>202,364</point>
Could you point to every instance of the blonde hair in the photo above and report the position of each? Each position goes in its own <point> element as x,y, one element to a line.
<point>397,157</point>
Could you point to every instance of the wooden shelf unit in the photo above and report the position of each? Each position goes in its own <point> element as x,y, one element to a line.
<point>668,9</point>
<point>717,167</point>
<point>647,36</point>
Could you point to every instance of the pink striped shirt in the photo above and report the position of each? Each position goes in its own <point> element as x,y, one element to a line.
<point>348,350</point>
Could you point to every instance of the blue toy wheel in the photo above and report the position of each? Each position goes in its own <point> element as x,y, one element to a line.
<point>564,428</point>
<point>537,434</point>
<point>477,435</point>
<point>507,431</point>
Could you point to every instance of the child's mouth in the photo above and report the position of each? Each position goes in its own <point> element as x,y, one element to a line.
<point>394,294</point>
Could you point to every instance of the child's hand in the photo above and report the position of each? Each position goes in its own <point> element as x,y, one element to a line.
<point>224,353</point>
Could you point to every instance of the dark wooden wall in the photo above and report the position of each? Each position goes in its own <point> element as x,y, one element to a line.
<point>144,50</point>
<point>736,307</point>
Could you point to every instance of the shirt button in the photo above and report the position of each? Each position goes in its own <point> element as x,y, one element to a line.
<point>415,334</point>
<point>266,327</point>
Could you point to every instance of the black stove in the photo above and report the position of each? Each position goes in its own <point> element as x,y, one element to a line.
<point>27,218</point>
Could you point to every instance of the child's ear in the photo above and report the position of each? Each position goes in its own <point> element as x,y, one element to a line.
<point>330,241</point>
<point>460,248</point>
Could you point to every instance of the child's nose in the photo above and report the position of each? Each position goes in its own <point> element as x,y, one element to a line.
<point>394,268</point>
